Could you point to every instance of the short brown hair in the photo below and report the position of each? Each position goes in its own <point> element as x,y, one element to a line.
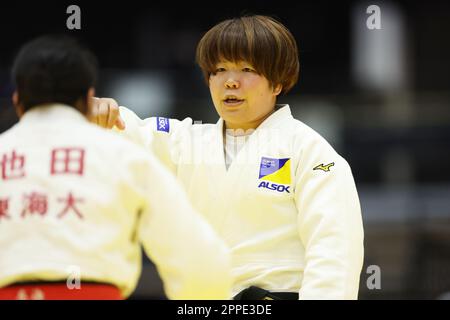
<point>260,40</point>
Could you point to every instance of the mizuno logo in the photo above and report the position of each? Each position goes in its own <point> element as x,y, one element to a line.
<point>325,168</point>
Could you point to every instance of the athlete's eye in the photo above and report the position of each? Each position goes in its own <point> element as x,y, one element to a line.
<point>248,70</point>
<point>219,70</point>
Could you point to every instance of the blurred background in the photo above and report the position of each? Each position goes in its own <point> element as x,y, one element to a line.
<point>380,96</point>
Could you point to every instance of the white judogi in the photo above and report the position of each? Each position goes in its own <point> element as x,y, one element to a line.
<point>287,206</point>
<point>121,196</point>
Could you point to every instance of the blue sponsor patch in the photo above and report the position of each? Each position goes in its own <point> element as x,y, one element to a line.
<point>162,124</point>
<point>270,165</point>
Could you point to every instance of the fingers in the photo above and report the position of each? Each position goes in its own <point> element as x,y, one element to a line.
<point>120,124</point>
<point>113,114</point>
<point>105,113</point>
<point>92,114</point>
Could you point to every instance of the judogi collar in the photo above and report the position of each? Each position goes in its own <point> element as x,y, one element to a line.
<point>52,113</point>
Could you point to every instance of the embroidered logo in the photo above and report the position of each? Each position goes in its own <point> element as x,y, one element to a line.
<point>323,167</point>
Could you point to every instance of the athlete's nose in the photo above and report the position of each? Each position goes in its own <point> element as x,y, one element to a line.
<point>232,83</point>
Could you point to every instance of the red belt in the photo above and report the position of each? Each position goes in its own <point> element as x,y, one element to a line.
<point>60,291</point>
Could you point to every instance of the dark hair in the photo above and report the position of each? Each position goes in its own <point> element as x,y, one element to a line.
<point>260,40</point>
<point>53,69</point>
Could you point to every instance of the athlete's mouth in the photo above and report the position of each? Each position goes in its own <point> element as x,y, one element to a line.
<point>232,100</point>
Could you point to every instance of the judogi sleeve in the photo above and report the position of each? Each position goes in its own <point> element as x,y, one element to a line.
<point>157,134</point>
<point>193,262</point>
<point>329,224</point>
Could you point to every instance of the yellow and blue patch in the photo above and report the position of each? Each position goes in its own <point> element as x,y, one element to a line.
<point>275,174</point>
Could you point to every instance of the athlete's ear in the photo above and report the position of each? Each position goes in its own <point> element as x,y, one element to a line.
<point>91,93</point>
<point>17,105</point>
<point>277,89</point>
